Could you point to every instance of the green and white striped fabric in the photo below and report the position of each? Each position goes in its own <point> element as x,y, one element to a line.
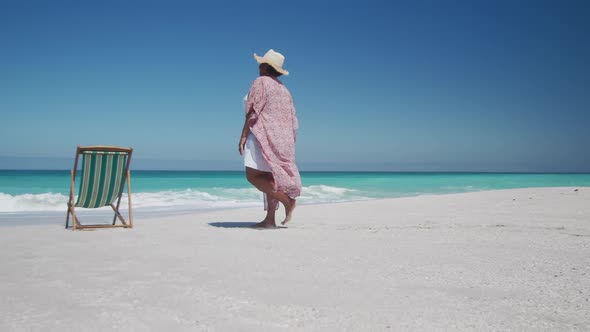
<point>101,178</point>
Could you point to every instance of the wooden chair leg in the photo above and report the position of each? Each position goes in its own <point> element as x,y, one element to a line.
<point>71,199</point>
<point>75,220</point>
<point>68,216</point>
<point>129,198</point>
<point>115,216</point>
<point>116,209</point>
<point>118,215</point>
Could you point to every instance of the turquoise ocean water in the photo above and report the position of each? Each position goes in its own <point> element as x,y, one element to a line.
<point>171,191</point>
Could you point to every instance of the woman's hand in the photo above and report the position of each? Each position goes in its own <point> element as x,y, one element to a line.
<point>242,144</point>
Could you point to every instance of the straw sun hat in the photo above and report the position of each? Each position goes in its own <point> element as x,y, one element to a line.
<point>275,59</point>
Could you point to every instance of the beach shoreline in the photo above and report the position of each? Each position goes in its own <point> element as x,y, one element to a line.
<point>516,259</point>
<point>172,192</point>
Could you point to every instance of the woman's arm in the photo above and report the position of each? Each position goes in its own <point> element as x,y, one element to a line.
<point>245,131</point>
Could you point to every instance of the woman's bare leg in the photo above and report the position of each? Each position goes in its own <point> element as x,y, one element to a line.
<point>269,220</point>
<point>289,211</point>
<point>264,182</point>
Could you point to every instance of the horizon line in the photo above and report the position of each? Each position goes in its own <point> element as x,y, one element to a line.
<point>317,171</point>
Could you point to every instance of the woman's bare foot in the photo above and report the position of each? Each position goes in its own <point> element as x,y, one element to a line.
<point>264,224</point>
<point>289,210</point>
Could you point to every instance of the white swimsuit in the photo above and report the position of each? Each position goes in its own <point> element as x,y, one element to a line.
<point>253,155</point>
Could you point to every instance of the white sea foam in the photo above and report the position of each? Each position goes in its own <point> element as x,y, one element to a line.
<point>328,194</point>
<point>32,202</point>
<point>188,199</point>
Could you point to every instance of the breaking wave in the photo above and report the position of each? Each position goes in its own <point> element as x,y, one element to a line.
<point>188,199</point>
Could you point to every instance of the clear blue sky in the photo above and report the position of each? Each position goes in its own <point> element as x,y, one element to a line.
<point>378,85</point>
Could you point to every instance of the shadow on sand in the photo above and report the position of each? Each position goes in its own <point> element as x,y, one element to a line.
<point>240,224</point>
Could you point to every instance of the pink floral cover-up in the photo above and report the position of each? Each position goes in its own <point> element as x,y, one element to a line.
<point>275,126</point>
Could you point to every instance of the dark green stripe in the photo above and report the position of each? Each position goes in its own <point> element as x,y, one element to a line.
<point>84,179</point>
<point>91,175</point>
<point>114,190</point>
<point>107,180</point>
<point>101,177</point>
<point>121,176</point>
<point>112,180</point>
<point>81,189</point>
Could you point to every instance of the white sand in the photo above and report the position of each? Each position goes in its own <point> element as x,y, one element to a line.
<point>514,260</point>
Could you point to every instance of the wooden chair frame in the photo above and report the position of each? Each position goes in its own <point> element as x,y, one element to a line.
<point>76,225</point>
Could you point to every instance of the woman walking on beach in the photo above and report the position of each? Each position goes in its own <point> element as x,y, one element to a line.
<point>268,139</point>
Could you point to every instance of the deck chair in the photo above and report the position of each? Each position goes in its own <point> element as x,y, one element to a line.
<point>105,169</point>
